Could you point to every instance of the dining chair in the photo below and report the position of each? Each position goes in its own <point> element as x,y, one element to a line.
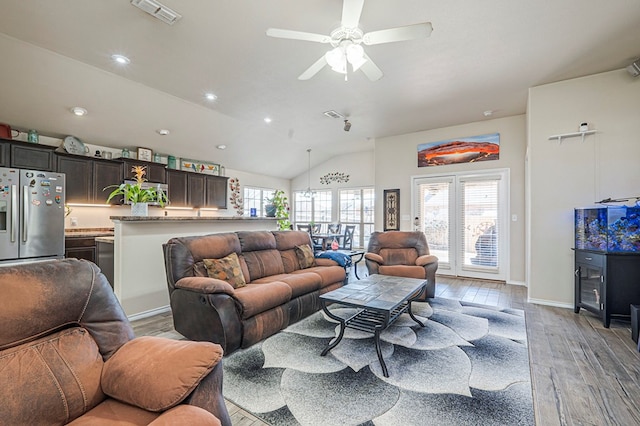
<point>347,238</point>
<point>306,228</point>
<point>334,228</point>
<point>316,228</point>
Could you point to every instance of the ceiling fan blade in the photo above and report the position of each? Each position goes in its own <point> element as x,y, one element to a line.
<point>351,11</point>
<point>371,70</point>
<point>298,35</point>
<point>410,32</point>
<point>313,69</point>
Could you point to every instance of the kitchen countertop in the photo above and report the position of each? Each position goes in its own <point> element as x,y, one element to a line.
<point>183,218</point>
<point>108,240</point>
<point>87,232</point>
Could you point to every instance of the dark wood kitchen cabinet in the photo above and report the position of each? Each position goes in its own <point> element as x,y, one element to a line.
<point>87,177</point>
<point>4,154</point>
<point>80,248</point>
<point>156,172</point>
<point>177,188</point>
<point>23,155</point>
<point>30,156</point>
<point>195,190</point>
<point>216,192</point>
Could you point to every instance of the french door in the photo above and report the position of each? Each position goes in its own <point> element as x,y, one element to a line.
<point>464,219</point>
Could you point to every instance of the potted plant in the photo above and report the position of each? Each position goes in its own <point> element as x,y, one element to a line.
<point>278,207</point>
<point>138,196</point>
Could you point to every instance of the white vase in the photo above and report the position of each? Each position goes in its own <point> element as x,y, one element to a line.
<point>139,209</point>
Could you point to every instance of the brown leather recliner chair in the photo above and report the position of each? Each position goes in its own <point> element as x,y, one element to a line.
<point>68,355</point>
<point>402,254</point>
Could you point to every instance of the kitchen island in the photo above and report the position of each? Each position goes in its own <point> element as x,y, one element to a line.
<point>139,275</point>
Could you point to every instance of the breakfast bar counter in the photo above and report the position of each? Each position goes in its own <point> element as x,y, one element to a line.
<point>139,279</point>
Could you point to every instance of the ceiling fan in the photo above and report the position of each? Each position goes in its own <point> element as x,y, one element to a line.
<point>347,41</point>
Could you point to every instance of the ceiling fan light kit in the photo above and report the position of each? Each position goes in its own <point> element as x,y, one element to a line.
<point>347,42</point>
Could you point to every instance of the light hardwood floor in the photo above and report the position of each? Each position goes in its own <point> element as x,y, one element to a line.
<point>582,373</point>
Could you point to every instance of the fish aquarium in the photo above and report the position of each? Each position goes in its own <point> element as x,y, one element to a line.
<point>608,229</point>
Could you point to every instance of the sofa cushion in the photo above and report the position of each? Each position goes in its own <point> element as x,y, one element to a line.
<point>399,256</point>
<point>409,271</point>
<point>112,412</point>
<point>51,380</point>
<point>305,256</point>
<point>263,263</point>
<point>300,283</point>
<point>166,371</point>
<point>226,269</point>
<point>328,274</point>
<point>186,415</point>
<point>256,298</point>
<point>286,242</point>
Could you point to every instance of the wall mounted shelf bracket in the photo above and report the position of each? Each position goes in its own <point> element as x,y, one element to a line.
<point>572,135</point>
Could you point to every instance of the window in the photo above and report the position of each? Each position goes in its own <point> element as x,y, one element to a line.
<point>256,198</point>
<point>357,207</point>
<point>315,209</point>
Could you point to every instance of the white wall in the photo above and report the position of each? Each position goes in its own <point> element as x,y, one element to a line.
<point>563,176</point>
<point>358,165</point>
<point>396,162</point>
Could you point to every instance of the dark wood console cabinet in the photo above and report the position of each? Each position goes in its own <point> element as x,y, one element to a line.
<point>606,283</point>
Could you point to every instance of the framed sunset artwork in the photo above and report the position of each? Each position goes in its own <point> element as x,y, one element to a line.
<point>460,150</point>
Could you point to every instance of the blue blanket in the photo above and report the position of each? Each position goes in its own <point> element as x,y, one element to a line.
<point>342,259</point>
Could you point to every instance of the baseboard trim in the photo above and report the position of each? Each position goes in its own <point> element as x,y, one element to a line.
<point>550,303</point>
<point>149,313</point>
<point>520,283</point>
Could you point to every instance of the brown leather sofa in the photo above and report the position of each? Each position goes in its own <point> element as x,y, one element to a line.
<point>68,356</point>
<point>402,254</point>
<point>278,291</point>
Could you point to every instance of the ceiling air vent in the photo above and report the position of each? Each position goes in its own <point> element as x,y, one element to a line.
<point>333,114</point>
<point>157,10</point>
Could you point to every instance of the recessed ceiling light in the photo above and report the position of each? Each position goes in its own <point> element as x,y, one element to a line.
<point>488,113</point>
<point>221,147</point>
<point>79,111</point>
<point>210,96</point>
<point>267,120</point>
<point>163,132</point>
<point>121,59</point>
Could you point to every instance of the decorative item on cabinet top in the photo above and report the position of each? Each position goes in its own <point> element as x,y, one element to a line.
<point>200,167</point>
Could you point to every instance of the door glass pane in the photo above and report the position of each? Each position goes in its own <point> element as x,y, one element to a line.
<point>479,220</point>
<point>434,212</point>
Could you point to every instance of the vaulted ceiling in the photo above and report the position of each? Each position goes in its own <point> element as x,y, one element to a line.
<point>482,55</point>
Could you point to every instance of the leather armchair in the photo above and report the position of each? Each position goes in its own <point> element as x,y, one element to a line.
<point>402,254</point>
<point>68,356</point>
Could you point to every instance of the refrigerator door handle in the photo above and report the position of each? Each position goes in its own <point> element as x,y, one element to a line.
<point>14,212</point>
<point>25,212</point>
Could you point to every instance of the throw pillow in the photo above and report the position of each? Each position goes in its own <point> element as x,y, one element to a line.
<point>226,269</point>
<point>156,373</point>
<point>305,256</point>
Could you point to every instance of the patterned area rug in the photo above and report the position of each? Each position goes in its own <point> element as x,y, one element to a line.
<point>469,365</point>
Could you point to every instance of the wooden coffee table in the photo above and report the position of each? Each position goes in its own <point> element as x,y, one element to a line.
<point>381,299</point>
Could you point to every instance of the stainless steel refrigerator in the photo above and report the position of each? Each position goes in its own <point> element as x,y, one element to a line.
<point>31,215</point>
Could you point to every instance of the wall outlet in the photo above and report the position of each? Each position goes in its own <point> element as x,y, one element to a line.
<point>74,221</point>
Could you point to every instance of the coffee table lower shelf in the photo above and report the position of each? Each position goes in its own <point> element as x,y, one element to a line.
<point>370,319</point>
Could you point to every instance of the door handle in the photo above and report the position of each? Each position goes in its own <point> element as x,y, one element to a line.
<point>14,212</point>
<point>25,212</point>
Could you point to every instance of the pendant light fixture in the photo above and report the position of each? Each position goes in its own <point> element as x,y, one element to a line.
<point>309,193</point>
